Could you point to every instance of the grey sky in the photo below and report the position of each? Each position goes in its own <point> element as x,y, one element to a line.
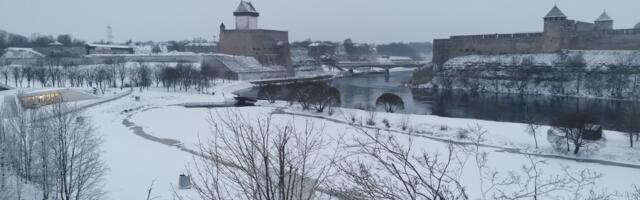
<point>362,20</point>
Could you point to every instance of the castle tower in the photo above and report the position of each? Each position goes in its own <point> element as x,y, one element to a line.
<point>555,21</point>
<point>246,16</point>
<point>604,22</point>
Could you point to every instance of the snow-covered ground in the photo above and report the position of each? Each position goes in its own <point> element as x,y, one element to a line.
<point>593,59</point>
<point>135,162</point>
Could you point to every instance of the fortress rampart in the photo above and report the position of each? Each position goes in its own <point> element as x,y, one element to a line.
<point>559,33</point>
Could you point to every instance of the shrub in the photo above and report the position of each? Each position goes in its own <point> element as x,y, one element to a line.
<point>390,102</point>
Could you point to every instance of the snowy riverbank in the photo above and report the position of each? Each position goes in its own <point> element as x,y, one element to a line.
<point>136,161</point>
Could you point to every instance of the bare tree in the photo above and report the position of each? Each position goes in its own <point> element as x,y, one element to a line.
<point>635,194</point>
<point>571,128</point>
<point>397,171</point>
<point>532,125</point>
<point>29,74</point>
<point>121,68</point>
<point>269,92</point>
<point>255,159</point>
<point>159,75</point>
<point>144,76</point>
<point>629,123</point>
<point>4,155</point>
<point>530,183</point>
<point>5,73</point>
<point>323,96</point>
<point>17,73</point>
<point>76,151</point>
<point>102,77</point>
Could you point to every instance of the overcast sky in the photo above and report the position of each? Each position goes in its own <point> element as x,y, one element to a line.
<point>377,21</point>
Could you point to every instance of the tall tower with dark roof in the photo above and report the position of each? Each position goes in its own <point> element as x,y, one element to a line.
<point>554,21</point>
<point>246,16</point>
<point>604,22</point>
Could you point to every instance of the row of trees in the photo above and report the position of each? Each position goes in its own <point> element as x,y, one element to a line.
<point>310,95</point>
<point>319,96</point>
<point>36,40</point>
<point>114,73</point>
<point>52,149</point>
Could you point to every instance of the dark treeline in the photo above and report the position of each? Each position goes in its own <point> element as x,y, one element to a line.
<point>15,40</point>
<point>414,50</point>
<point>318,96</point>
<point>115,73</point>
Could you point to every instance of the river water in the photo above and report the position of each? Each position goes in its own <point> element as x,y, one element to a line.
<point>362,91</point>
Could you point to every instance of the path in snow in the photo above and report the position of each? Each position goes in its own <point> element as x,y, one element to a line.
<point>281,111</point>
<point>139,131</point>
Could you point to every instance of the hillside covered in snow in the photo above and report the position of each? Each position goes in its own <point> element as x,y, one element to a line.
<point>597,74</point>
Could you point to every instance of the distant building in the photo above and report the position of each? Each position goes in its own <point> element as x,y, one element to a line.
<point>268,47</point>
<point>319,49</point>
<point>559,33</point>
<point>43,97</point>
<point>108,49</point>
<point>57,50</point>
<point>200,47</point>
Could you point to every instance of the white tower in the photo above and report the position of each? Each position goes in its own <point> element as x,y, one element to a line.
<point>246,16</point>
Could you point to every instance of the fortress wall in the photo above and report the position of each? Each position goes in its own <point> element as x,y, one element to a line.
<point>523,43</point>
<point>486,45</point>
<point>628,39</point>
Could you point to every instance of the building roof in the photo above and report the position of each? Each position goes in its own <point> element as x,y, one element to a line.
<point>555,12</point>
<point>604,17</point>
<point>15,52</point>
<point>109,46</point>
<point>245,64</point>
<point>246,8</point>
<point>637,26</point>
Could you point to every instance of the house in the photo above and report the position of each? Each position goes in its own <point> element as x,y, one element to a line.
<point>200,47</point>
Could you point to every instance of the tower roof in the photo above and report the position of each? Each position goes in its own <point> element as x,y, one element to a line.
<point>246,9</point>
<point>604,17</point>
<point>555,12</point>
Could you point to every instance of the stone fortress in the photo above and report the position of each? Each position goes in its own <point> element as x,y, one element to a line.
<point>559,34</point>
<point>269,47</point>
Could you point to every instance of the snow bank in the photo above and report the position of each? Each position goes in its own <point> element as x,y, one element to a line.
<point>592,58</point>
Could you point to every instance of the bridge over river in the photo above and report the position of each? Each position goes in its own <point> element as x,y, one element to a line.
<point>351,65</point>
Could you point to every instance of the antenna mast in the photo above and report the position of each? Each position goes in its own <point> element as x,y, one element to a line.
<point>109,34</point>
